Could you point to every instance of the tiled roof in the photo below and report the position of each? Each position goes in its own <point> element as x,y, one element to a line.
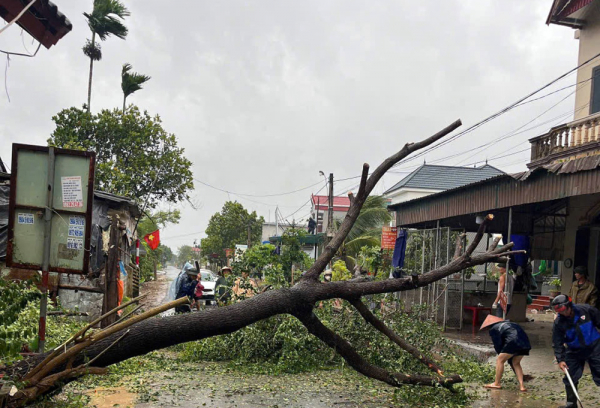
<point>43,21</point>
<point>433,177</point>
<point>339,203</point>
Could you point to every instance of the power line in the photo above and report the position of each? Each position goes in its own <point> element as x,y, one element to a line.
<point>305,204</point>
<point>497,114</point>
<point>256,195</point>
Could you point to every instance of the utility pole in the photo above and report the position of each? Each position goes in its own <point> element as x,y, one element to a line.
<point>330,207</point>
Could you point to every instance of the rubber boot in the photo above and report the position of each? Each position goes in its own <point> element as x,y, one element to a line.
<point>571,398</point>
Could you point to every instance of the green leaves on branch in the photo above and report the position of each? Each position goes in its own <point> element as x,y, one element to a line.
<point>131,82</point>
<point>19,317</point>
<point>106,19</point>
<point>162,254</point>
<point>230,227</point>
<point>135,156</point>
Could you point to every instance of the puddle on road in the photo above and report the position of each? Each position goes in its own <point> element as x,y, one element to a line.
<point>513,399</point>
<point>111,397</point>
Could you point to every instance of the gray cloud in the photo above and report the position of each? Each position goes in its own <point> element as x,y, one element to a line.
<point>264,94</point>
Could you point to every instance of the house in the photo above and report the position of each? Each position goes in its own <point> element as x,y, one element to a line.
<point>429,179</point>
<point>42,19</point>
<point>276,229</point>
<point>320,207</point>
<point>85,292</point>
<point>555,204</point>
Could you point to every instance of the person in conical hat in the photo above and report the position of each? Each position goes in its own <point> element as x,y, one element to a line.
<point>511,343</point>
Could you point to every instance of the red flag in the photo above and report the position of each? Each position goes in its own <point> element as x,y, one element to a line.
<point>153,239</point>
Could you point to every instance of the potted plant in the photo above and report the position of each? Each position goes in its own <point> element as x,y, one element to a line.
<point>556,284</point>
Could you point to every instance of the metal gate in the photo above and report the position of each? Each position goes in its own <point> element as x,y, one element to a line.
<point>443,300</point>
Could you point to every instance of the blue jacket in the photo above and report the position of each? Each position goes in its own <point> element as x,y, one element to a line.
<point>509,337</point>
<point>577,333</point>
<point>187,286</point>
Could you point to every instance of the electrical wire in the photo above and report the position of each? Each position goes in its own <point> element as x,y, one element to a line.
<point>256,195</point>
<point>495,115</point>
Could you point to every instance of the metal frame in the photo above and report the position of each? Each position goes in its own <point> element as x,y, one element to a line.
<point>12,204</point>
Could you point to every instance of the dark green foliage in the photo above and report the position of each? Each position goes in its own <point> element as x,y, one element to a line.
<point>19,316</point>
<point>135,156</point>
<point>282,344</point>
<point>106,19</point>
<point>162,254</point>
<point>229,228</point>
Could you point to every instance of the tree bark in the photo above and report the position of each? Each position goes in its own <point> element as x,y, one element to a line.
<point>299,300</point>
<point>89,100</point>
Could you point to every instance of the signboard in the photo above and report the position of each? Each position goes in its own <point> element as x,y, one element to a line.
<point>388,237</point>
<point>228,252</point>
<point>61,181</point>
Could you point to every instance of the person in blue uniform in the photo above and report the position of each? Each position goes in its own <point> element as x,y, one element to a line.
<point>511,343</point>
<point>576,339</point>
<point>186,287</point>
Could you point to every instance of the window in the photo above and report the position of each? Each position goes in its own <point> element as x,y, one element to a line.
<point>595,99</point>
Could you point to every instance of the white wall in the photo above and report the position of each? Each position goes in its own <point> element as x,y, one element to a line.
<point>407,194</point>
<point>589,45</point>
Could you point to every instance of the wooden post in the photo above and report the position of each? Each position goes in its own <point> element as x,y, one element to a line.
<point>111,292</point>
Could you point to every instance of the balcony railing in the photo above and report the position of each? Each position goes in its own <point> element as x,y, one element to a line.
<point>563,140</point>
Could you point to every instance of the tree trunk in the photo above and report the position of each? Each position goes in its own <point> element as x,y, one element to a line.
<point>153,334</point>
<point>124,100</point>
<point>89,100</point>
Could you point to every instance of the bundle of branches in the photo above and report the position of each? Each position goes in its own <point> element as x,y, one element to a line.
<point>142,335</point>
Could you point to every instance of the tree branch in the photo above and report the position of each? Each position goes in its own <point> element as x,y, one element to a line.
<point>345,349</point>
<point>367,184</point>
<point>381,326</point>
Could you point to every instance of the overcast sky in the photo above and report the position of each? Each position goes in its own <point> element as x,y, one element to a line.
<point>264,94</point>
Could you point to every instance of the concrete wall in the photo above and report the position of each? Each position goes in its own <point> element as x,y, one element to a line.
<point>578,209</point>
<point>407,194</point>
<point>269,229</point>
<point>589,45</point>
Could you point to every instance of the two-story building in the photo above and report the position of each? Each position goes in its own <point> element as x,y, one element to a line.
<point>555,204</point>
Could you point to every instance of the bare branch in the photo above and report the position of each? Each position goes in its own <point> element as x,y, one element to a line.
<point>479,234</point>
<point>345,349</point>
<point>494,243</point>
<point>458,247</point>
<point>367,185</point>
<point>106,349</point>
<point>351,197</point>
<point>381,326</point>
<point>79,334</point>
<point>363,180</point>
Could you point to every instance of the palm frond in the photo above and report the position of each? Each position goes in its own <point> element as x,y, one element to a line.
<point>354,246</point>
<point>106,19</point>
<point>131,81</point>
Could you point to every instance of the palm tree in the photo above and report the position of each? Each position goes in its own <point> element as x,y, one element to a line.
<point>366,230</point>
<point>105,20</point>
<point>131,82</point>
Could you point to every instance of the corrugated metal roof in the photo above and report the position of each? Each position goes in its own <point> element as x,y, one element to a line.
<point>433,177</point>
<point>499,192</point>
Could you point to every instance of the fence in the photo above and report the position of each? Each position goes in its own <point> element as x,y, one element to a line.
<point>443,300</point>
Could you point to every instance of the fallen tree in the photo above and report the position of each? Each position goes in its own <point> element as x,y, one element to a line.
<point>88,352</point>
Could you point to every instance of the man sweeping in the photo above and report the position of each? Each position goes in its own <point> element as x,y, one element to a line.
<point>575,339</point>
<point>511,343</point>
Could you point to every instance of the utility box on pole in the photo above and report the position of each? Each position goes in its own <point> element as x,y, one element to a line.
<point>50,210</point>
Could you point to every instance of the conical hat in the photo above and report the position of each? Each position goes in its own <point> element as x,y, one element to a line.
<point>490,320</point>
